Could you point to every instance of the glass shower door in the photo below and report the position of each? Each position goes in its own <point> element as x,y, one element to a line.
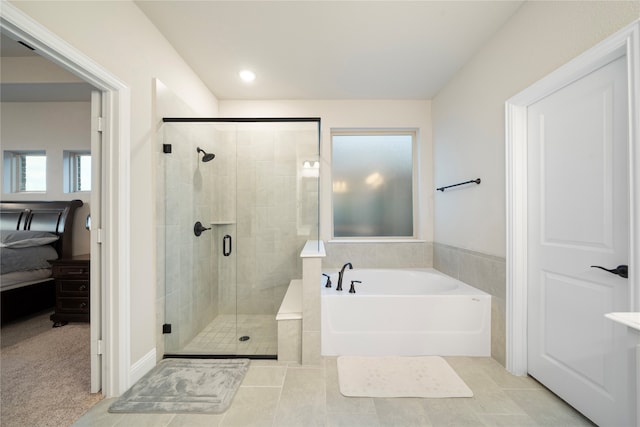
<point>277,212</point>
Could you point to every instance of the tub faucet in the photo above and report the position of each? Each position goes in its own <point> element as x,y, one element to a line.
<point>352,289</point>
<point>328,283</point>
<point>341,275</point>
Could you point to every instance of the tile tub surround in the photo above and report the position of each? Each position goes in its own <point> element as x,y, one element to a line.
<point>485,272</point>
<point>288,394</point>
<point>418,254</point>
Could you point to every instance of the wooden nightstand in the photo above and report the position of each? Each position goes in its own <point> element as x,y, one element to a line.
<point>72,289</point>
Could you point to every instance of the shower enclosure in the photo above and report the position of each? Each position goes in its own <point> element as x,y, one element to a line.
<point>241,200</point>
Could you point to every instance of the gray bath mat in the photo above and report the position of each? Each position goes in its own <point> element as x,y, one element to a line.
<point>185,386</point>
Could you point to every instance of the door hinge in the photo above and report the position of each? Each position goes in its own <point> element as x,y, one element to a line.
<point>99,347</point>
<point>166,328</point>
<point>99,238</point>
<point>100,124</point>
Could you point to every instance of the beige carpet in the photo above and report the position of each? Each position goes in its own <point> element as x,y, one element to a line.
<point>424,376</point>
<point>44,374</point>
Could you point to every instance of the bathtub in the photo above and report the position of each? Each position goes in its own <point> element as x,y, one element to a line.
<point>404,312</point>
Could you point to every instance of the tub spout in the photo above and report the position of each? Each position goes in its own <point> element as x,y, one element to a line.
<point>341,275</point>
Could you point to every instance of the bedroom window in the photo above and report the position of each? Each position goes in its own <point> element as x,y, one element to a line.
<point>373,178</point>
<point>25,171</point>
<point>77,167</point>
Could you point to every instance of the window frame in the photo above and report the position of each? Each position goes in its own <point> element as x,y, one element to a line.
<point>14,161</point>
<point>71,169</point>
<point>415,172</point>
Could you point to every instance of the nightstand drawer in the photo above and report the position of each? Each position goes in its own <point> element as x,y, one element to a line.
<point>78,288</point>
<point>71,271</point>
<point>73,305</point>
<point>72,289</point>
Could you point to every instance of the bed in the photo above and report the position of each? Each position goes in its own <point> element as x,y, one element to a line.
<point>32,234</point>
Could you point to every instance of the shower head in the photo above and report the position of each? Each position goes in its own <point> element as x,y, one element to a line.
<point>207,156</point>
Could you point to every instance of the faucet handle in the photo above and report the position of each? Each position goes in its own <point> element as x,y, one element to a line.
<point>352,289</point>
<point>328,284</point>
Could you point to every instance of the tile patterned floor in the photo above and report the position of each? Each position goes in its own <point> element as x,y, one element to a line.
<point>278,394</point>
<point>222,336</point>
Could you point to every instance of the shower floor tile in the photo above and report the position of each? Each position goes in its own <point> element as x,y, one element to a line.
<point>222,336</point>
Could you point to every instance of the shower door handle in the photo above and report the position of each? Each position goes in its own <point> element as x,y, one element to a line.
<point>226,245</point>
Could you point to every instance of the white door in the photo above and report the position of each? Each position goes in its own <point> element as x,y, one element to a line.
<point>95,303</point>
<point>578,217</point>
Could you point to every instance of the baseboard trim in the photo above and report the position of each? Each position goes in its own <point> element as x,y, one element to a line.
<point>142,366</point>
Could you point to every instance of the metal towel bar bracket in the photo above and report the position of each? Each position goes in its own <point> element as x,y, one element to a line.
<point>477,181</point>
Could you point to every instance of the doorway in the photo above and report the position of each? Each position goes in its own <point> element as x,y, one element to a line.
<point>111,338</point>
<point>547,300</point>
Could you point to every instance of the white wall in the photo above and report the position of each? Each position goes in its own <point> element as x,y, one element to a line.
<point>354,114</point>
<point>53,127</point>
<point>34,69</point>
<point>119,37</point>
<point>468,114</point>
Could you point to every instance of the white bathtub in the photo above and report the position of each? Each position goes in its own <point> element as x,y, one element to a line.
<point>401,312</point>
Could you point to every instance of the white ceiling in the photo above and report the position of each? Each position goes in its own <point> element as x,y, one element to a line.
<point>324,49</point>
<point>327,49</point>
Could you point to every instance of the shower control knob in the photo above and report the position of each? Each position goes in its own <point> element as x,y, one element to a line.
<point>352,289</point>
<point>198,228</point>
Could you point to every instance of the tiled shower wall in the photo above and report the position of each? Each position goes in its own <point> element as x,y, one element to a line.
<point>485,272</point>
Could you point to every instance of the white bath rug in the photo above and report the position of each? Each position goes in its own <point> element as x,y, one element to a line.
<point>423,376</point>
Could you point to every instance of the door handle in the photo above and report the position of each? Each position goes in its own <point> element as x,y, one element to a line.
<point>621,270</point>
<point>226,245</point>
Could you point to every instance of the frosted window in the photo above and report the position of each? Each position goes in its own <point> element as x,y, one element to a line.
<point>372,185</point>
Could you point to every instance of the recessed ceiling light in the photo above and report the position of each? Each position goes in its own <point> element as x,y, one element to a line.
<point>247,75</point>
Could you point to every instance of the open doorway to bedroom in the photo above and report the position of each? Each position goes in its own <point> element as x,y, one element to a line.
<point>51,152</point>
<point>110,332</point>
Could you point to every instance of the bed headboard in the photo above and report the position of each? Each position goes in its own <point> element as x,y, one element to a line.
<point>54,217</point>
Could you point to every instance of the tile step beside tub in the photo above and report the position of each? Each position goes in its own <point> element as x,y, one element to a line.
<point>289,319</point>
